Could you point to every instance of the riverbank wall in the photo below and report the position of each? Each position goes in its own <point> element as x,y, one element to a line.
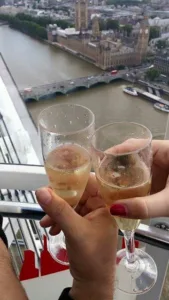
<point>75,53</point>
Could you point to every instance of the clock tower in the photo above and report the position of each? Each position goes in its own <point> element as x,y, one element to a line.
<point>143,39</point>
<point>81,15</point>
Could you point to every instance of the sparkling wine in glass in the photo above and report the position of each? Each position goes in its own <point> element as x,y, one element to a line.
<point>122,161</point>
<point>66,131</point>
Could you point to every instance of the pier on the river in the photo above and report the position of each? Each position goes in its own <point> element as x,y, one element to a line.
<point>151,97</point>
<point>154,88</point>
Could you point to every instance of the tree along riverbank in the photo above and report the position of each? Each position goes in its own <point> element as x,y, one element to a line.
<point>32,26</point>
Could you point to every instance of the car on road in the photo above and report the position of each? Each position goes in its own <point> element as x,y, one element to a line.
<point>114,72</point>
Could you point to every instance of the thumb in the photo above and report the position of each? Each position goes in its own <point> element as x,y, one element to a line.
<point>58,210</point>
<point>152,206</point>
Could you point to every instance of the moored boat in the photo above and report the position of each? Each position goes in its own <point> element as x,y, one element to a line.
<point>129,90</point>
<point>162,107</point>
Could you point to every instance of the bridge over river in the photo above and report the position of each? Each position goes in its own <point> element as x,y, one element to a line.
<point>52,89</point>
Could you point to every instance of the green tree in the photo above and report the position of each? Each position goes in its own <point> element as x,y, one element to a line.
<point>4,17</point>
<point>34,5</point>
<point>154,32</point>
<point>44,21</point>
<point>161,44</point>
<point>128,29</point>
<point>152,74</point>
<point>28,27</point>
<point>121,67</point>
<point>112,24</point>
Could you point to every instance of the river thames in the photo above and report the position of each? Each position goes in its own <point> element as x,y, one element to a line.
<point>33,63</point>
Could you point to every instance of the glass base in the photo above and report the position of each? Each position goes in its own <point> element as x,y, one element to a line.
<point>57,249</point>
<point>136,278</point>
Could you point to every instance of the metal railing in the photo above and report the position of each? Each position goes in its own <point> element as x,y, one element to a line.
<point>22,234</point>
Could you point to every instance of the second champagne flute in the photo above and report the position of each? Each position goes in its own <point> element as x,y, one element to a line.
<point>65,131</point>
<point>122,159</point>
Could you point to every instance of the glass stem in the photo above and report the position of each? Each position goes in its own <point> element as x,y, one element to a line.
<point>130,246</point>
<point>63,241</point>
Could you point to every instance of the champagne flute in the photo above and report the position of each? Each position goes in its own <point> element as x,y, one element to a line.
<point>122,159</point>
<point>65,132</point>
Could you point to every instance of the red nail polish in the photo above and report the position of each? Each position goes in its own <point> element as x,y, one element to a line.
<point>118,210</point>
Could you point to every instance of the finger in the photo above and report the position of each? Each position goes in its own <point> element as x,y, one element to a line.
<point>46,221</point>
<point>161,153</point>
<point>156,205</point>
<point>92,204</point>
<point>59,210</point>
<point>127,146</point>
<point>91,189</point>
<point>54,230</point>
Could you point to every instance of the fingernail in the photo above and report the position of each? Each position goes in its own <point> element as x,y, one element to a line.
<point>118,210</point>
<point>44,197</point>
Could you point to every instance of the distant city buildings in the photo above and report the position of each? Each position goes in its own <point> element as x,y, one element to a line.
<point>2,2</point>
<point>161,63</point>
<point>162,24</point>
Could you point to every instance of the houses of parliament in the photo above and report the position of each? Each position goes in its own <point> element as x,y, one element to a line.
<point>106,50</point>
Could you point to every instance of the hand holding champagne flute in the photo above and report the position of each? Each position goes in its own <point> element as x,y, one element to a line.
<point>65,131</point>
<point>124,171</point>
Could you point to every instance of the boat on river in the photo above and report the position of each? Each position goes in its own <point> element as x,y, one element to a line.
<point>162,107</point>
<point>129,90</point>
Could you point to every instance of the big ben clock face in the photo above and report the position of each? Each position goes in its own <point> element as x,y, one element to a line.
<point>146,31</point>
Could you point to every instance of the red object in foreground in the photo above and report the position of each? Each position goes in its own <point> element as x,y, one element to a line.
<point>28,270</point>
<point>47,264</point>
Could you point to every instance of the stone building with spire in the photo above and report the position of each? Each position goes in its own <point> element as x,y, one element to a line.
<point>104,51</point>
<point>81,15</point>
<point>96,34</point>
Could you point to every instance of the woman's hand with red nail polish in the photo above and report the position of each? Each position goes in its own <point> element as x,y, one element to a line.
<point>157,203</point>
<point>118,210</point>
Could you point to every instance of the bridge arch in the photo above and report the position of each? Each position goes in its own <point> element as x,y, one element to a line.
<point>98,83</point>
<point>103,80</point>
<point>114,79</point>
<point>82,87</point>
<point>58,93</point>
<point>27,100</point>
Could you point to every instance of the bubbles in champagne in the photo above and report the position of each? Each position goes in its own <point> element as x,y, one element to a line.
<point>123,177</point>
<point>68,168</point>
